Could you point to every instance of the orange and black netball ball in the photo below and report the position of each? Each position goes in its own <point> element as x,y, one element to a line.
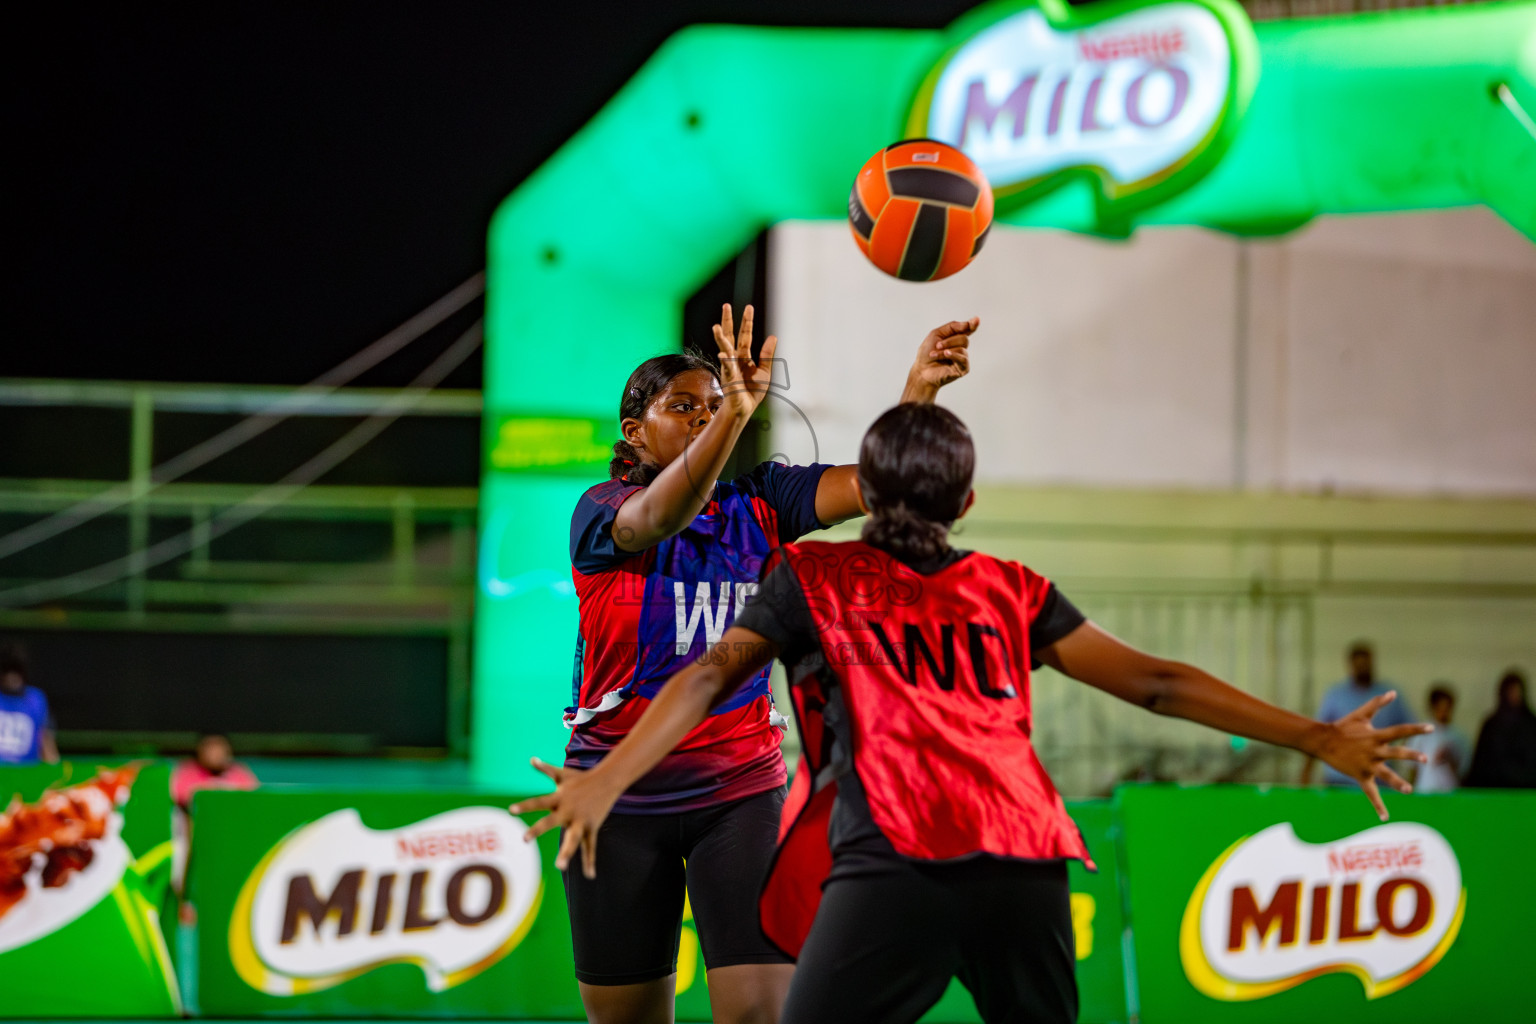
<point>920,210</point>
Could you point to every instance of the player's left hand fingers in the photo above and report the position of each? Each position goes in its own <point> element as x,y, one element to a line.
<point>960,359</point>
<point>1367,711</point>
<point>1369,785</point>
<point>956,327</point>
<point>1397,732</point>
<point>1393,779</point>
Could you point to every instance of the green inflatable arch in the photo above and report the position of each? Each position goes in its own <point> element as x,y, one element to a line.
<point>727,130</point>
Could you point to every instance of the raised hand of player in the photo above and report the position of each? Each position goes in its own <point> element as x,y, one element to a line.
<point>579,804</point>
<point>943,358</point>
<point>1358,749</point>
<point>743,380</point>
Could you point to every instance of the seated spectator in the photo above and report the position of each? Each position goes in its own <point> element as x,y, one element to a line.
<point>1343,697</point>
<point>213,767</point>
<point>1506,747</point>
<point>26,727</point>
<point>1448,749</point>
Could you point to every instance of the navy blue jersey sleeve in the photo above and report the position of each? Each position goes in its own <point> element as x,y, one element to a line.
<point>592,546</point>
<point>791,491</point>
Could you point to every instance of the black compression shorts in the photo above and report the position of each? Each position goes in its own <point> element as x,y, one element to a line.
<point>891,933</point>
<point>625,923</point>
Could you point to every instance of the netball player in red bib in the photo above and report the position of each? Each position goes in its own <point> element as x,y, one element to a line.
<point>922,839</point>
<point>663,557</point>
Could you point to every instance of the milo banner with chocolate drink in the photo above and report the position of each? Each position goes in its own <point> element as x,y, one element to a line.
<point>1292,905</point>
<point>85,867</point>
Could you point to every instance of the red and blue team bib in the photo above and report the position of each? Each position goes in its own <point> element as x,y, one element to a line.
<point>646,616</point>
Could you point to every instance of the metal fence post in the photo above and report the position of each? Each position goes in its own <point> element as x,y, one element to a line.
<point>141,447</point>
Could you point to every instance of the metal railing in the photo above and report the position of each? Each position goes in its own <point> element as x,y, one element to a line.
<point>414,576</point>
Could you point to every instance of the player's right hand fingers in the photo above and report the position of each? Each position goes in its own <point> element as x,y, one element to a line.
<point>555,774</point>
<point>1404,754</point>
<point>535,803</point>
<point>539,827</point>
<point>570,843</point>
<point>589,855</point>
<point>744,339</point>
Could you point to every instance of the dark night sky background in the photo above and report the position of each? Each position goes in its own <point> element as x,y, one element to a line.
<point>249,193</point>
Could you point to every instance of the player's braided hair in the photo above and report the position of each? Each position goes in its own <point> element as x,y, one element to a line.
<point>649,380</point>
<point>915,469</point>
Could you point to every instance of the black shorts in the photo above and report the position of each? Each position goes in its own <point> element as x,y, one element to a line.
<point>891,933</point>
<point>626,922</point>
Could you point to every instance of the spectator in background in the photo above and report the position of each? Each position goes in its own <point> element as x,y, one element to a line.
<point>1506,748</point>
<point>213,767</point>
<point>26,728</point>
<point>1448,749</point>
<point>1350,693</point>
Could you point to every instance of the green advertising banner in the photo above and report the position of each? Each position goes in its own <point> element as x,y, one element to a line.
<point>1253,906</point>
<point>395,904</point>
<point>386,904</point>
<point>376,904</point>
<point>85,865</point>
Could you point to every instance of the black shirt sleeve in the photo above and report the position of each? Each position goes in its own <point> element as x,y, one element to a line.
<point>779,613</point>
<point>1057,618</point>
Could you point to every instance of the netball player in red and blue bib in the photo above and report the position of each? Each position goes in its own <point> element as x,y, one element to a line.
<point>664,556</point>
<point>922,839</point>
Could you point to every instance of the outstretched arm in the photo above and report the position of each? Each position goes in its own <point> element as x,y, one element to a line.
<point>681,491</point>
<point>582,799</point>
<point>1350,745</point>
<point>943,358</point>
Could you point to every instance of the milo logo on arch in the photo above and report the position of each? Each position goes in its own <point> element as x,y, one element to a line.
<point>1273,911</point>
<point>1138,99</point>
<point>452,894</point>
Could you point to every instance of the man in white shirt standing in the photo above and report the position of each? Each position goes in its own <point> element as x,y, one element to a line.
<point>1448,749</point>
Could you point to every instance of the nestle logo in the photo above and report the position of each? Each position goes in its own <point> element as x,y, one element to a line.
<point>1156,44</point>
<point>428,845</point>
<point>1354,860</point>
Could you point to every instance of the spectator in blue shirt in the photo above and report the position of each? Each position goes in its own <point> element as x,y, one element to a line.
<point>26,730</point>
<point>1347,695</point>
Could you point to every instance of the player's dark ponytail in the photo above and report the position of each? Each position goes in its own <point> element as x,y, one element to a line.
<point>649,380</point>
<point>915,469</point>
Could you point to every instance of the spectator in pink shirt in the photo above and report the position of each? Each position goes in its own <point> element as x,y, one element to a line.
<point>214,767</point>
